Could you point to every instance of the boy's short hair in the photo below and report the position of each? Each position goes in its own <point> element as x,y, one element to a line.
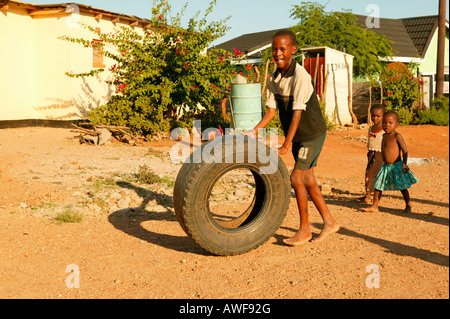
<point>378,107</point>
<point>289,33</point>
<point>394,114</point>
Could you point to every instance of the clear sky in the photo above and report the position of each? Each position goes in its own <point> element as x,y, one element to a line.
<point>248,16</point>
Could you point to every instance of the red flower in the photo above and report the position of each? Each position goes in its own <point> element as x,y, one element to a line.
<point>237,52</point>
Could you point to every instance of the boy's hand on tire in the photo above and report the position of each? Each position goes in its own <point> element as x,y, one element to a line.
<point>282,150</point>
<point>251,134</point>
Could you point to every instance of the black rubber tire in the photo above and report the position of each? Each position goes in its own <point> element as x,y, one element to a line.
<point>266,213</point>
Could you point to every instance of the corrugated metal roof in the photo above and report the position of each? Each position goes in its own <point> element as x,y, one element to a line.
<point>421,30</point>
<point>248,43</point>
<point>409,37</point>
<point>394,31</point>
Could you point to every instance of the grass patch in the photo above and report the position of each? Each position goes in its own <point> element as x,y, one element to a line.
<point>156,153</point>
<point>146,176</point>
<point>68,215</point>
<point>101,183</point>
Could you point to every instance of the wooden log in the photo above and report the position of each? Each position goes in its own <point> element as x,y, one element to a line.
<point>86,131</point>
<point>112,126</point>
<point>81,132</point>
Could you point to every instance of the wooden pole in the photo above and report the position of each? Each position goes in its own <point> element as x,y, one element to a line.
<point>336,108</point>
<point>369,118</point>
<point>258,74</point>
<point>316,70</point>
<point>326,83</point>
<point>381,92</point>
<point>321,82</point>
<point>350,99</point>
<point>441,49</point>
<point>224,108</point>
<point>420,80</point>
<point>265,77</point>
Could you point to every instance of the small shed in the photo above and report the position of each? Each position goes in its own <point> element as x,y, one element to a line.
<point>332,73</point>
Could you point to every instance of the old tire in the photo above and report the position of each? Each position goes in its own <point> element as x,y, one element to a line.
<point>261,220</point>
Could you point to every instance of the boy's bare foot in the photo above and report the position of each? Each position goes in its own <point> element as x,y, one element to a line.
<point>408,209</point>
<point>327,231</point>
<point>371,209</point>
<point>298,239</point>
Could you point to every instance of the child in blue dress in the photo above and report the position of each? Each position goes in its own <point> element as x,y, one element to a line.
<point>395,173</point>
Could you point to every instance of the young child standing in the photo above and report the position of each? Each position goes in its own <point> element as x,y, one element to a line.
<point>395,173</point>
<point>374,158</point>
<point>290,90</point>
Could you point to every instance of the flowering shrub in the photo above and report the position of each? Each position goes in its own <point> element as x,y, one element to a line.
<point>250,72</point>
<point>161,75</point>
<point>400,90</point>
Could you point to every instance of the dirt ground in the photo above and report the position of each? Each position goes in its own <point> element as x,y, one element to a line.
<point>129,244</point>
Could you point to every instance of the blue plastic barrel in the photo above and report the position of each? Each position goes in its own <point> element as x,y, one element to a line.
<point>246,104</point>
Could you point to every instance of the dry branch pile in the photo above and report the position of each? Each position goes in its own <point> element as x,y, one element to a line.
<point>99,134</point>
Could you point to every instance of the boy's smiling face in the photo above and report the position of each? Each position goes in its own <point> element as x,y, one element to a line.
<point>282,51</point>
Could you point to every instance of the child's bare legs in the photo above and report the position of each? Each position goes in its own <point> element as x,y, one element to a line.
<point>304,233</point>
<point>303,183</point>
<point>376,201</point>
<point>377,197</point>
<point>407,199</point>
<point>368,198</point>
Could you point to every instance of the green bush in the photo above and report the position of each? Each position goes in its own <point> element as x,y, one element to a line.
<point>437,115</point>
<point>404,116</point>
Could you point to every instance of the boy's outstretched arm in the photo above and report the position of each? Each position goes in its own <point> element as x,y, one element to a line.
<point>296,117</point>
<point>270,114</point>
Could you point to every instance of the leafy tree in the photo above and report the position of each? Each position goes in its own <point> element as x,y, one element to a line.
<point>163,75</point>
<point>340,31</point>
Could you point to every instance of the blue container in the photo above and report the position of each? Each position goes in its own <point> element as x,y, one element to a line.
<point>246,104</point>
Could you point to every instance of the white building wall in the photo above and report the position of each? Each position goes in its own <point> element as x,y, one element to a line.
<point>17,65</point>
<point>337,107</point>
<point>33,62</point>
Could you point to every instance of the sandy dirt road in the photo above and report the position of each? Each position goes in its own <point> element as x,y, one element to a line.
<point>130,245</point>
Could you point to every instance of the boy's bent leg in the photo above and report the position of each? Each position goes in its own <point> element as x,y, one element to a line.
<point>304,182</point>
<point>304,233</point>
<point>330,225</point>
